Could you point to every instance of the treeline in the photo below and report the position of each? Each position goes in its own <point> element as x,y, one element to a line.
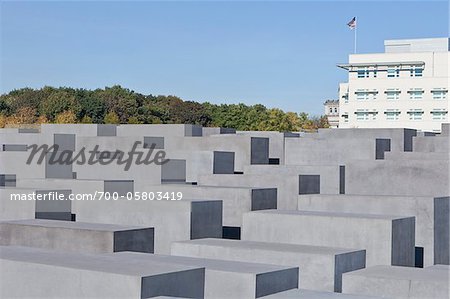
<point>115,105</point>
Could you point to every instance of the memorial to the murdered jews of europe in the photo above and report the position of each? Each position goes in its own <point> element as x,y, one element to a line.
<point>182,211</point>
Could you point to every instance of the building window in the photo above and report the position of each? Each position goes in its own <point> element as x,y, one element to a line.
<point>331,110</point>
<point>345,97</point>
<point>365,95</point>
<point>363,73</point>
<point>393,72</point>
<point>365,114</point>
<point>392,114</point>
<point>393,94</point>
<point>439,114</point>
<point>415,94</point>
<point>439,94</point>
<point>345,116</point>
<point>335,110</point>
<point>415,114</point>
<point>416,71</point>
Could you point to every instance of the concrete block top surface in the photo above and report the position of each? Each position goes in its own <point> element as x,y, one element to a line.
<point>269,246</point>
<point>401,273</point>
<point>90,262</point>
<point>212,264</point>
<point>72,225</point>
<point>309,294</point>
<point>293,213</point>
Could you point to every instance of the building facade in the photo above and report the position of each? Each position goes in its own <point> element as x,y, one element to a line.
<point>332,112</point>
<point>404,87</point>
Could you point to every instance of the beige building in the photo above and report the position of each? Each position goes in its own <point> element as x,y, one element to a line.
<point>406,86</point>
<point>332,112</point>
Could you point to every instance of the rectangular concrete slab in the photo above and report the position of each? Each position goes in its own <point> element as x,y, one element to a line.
<point>422,207</point>
<point>226,279</point>
<point>52,274</point>
<point>76,236</point>
<point>309,294</point>
<point>397,282</point>
<point>386,239</point>
<point>321,268</point>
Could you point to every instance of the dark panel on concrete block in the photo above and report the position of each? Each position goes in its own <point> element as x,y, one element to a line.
<point>291,135</point>
<point>347,262</point>
<point>408,135</point>
<point>342,179</point>
<point>106,130</point>
<point>442,230</point>
<point>274,161</point>
<point>227,131</point>
<point>29,130</point>
<point>57,170</point>
<point>403,242</point>
<point>48,204</point>
<point>206,219</point>
<point>264,199</point>
<point>14,147</point>
<point>418,257</point>
<point>154,142</point>
<point>223,162</point>
<point>308,184</point>
<point>139,240</point>
<point>122,187</point>
<point>268,283</point>
<point>259,150</point>
<point>193,130</point>
<point>174,171</point>
<point>7,180</point>
<point>185,284</point>
<point>231,232</point>
<point>65,142</point>
<point>382,145</point>
<point>63,216</point>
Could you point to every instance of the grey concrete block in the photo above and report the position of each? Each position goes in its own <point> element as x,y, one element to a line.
<point>397,282</point>
<point>193,131</point>
<point>321,268</point>
<point>172,220</point>
<point>52,274</point>
<point>379,234</point>
<point>56,169</point>
<point>308,294</point>
<point>420,207</point>
<point>227,279</point>
<point>76,236</point>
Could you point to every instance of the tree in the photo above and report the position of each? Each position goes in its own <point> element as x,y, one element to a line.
<point>24,115</point>
<point>133,120</point>
<point>111,118</point>
<point>66,117</point>
<point>121,101</point>
<point>86,120</point>
<point>59,101</point>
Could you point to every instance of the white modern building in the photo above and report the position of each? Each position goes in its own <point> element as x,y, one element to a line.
<point>406,86</point>
<point>332,112</point>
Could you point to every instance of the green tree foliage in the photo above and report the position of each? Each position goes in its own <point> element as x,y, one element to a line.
<point>112,118</point>
<point>116,105</point>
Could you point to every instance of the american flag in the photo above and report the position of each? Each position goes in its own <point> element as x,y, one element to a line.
<point>352,23</point>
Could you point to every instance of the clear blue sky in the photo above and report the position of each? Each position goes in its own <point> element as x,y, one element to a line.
<point>280,54</point>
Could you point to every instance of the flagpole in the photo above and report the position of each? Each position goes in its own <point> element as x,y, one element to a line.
<point>356,28</point>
